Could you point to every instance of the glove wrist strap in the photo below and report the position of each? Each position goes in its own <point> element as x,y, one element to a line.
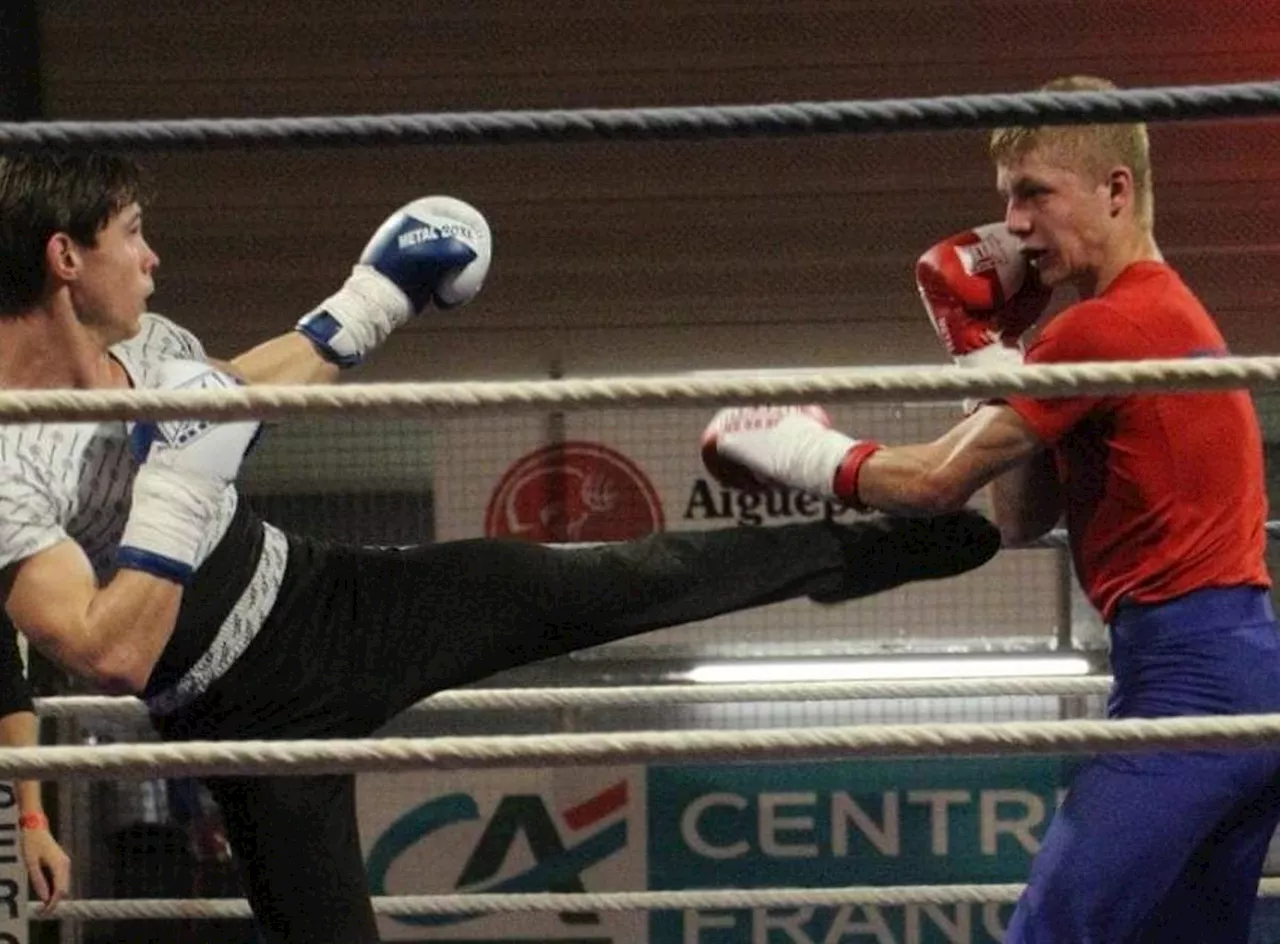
<point>348,325</point>
<point>845,484</point>
<point>803,454</point>
<point>167,523</point>
<point>995,356</point>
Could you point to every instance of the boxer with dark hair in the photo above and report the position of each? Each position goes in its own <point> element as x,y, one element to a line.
<point>131,561</point>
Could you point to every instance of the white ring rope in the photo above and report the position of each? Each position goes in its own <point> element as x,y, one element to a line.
<point>638,696</point>
<point>699,899</point>
<point>871,384</point>
<point>206,758</point>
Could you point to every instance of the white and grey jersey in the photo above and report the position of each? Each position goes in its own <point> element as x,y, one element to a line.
<point>74,480</point>
<point>62,481</point>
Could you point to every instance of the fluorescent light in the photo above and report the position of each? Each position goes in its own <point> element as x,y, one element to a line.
<point>819,670</point>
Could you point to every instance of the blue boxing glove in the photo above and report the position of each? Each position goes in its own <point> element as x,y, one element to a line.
<point>435,250</point>
<point>184,480</point>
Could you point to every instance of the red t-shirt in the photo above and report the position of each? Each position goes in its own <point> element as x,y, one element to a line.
<point>1165,492</point>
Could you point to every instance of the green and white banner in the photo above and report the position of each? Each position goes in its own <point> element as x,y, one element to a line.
<point>700,826</point>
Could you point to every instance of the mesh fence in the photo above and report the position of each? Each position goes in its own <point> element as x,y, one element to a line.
<point>577,476</point>
<point>619,474</point>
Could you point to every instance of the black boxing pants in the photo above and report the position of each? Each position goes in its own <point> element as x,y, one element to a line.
<point>359,634</point>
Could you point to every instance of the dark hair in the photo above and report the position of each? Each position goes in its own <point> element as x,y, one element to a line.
<point>48,192</point>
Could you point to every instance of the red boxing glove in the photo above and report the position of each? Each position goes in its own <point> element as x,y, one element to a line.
<point>754,447</point>
<point>980,295</point>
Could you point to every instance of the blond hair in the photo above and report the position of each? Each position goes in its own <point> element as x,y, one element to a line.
<point>1088,149</point>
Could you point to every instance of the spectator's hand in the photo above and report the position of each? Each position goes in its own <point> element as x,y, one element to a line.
<point>48,866</point>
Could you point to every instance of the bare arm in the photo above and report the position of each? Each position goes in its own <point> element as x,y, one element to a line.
<point>111,635</point>
<point>1026,501</point>
<point>287,359</point>
<point>434,250</point>
<point>18,729</point>
<point>47,863</point>
<point>941,476</point>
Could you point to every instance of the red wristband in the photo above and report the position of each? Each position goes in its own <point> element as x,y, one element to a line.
<point>33,821</point>
<point>846,482</point>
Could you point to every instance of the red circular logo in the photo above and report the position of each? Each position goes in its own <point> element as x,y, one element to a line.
<point>573,491</point>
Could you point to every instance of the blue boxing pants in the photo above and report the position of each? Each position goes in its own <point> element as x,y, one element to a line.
<point>1167,847</point>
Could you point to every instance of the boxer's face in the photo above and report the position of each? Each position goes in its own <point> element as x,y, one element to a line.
<point>1063,215</point>
<point>114,277</point>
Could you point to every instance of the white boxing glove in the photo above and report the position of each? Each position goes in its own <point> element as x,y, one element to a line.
<point>187,466</point>
<point>754,447</point>
<point>433,251</point>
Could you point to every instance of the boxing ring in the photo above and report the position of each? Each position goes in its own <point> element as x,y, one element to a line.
<point>1068,736</point>
<point>1078,736</point>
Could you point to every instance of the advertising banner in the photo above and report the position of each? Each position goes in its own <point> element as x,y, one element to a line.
<point>669,827</point>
